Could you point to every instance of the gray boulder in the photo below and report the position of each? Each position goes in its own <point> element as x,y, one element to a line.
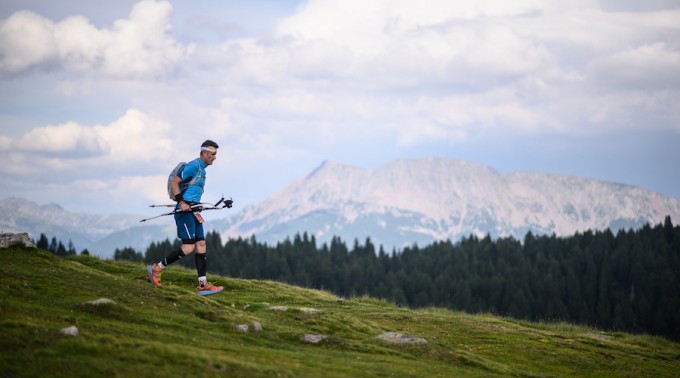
<point>101,302</point>
<point>69,331</point>
<point>398,338</point>
<point>314,339</point>
<point>16,240</point>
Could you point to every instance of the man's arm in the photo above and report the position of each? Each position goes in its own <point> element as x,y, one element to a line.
<point>174,184</point>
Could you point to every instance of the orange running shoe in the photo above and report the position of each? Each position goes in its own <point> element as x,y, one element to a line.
<point>208,289</point>
<point>155,274</point>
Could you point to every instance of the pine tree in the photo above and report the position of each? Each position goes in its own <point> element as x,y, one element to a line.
<point>43,242</point>
<point>53,245</point>
<point>71,251</point>
<point>61,250</point>
<point>668,229</point>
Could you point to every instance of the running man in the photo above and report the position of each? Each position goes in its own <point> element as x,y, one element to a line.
<point>190,224</point>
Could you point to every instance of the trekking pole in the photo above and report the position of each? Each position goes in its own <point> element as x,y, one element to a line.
<point>174,204</point>
<point>197,207</point>
<point>158,216</point>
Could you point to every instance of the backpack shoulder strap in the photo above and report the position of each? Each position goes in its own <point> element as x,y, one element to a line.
<point>198,176</point>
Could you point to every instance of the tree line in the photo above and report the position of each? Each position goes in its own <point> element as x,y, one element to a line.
<point>626,281</point>
<point>57,247</point>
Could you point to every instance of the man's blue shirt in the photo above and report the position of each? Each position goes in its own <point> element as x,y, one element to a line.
<point>191,169</point>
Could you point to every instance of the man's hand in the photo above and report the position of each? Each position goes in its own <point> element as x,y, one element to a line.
<point>184,206</point>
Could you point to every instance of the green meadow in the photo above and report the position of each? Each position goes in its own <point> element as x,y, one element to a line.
<point>171,331</point>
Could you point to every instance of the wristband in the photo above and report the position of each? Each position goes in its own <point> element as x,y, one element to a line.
<point>178,197</point>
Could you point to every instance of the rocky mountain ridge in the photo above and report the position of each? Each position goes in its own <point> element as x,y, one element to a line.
<point>398,204</point>
<point>431,199</point>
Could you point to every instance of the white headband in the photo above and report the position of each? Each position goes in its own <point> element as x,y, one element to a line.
<point>209,149</point>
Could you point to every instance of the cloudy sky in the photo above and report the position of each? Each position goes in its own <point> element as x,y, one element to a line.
<point>100,99</point>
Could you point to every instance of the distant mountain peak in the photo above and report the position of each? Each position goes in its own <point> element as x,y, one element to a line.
<point>427,199</point>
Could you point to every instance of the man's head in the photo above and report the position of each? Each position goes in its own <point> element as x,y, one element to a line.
<point>209,152</point>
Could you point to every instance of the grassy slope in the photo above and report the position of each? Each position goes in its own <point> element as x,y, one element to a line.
<point>171,331</point>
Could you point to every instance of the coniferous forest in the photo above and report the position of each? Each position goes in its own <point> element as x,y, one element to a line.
<point>628,281</point>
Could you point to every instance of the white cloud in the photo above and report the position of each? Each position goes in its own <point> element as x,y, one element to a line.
<point>368,27</point>
<point>134,137</point>
<point>17,55</point>
<point>5,142</point>
<point>138,47</point>
<point>635,5</point>
<point>70,139</point>
<point>652,66</point>
<point>149,189</point>
<point>464,67</point>
<point>470,66</point>
<point>80,44</point>
<point>125,160</point>
<point>410,44</point>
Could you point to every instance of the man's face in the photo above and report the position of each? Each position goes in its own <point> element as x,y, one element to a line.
<point>209,157</point>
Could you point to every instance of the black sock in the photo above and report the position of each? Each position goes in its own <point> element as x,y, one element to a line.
<point>172,257</point>
<point>200,264</point>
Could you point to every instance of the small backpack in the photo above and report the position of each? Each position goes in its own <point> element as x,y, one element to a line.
<point>182,185</point>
